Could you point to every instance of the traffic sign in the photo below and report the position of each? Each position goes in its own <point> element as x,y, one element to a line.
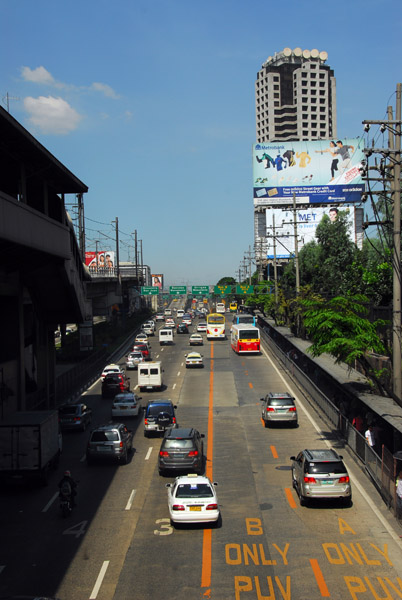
<point>244,289</point>
<point>177,290</point>
<point>149,290</point>
<point>222,290</point>
<point>200,290</point>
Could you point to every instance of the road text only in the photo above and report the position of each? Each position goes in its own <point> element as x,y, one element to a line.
<point>275,584</point>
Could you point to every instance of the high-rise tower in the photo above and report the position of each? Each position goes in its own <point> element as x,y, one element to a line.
<point>295,97</point>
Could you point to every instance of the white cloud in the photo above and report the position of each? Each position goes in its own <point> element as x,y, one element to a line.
<point>51,115</point>
<point>105,89</point>
<point>38,75</point>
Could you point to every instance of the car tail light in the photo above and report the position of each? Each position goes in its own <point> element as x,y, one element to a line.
<point>212,507</point>
<point>146,421</point>
<point>292,409</point>
<point>309,479</point>
<point>163,453</point>
<point>270,409</point>
<point>78,419</point>
<point>193,453</point>
<point>344,479</point>
<point>178,507</point>
<point>121,444</point>
<point>174,419</point>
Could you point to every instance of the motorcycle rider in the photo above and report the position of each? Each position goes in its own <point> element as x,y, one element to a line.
<point>68,487</point>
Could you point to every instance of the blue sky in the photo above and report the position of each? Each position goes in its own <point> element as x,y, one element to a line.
<point>151,105</point>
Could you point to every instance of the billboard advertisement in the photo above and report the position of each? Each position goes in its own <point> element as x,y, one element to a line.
<point>307,221</point>
<point>103,260</point>
<point>316,172</point>
<point>157,281</point>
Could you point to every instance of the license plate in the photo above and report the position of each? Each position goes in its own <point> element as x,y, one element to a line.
<point>197,508</point>
<point>122,407</point>
<point>104,448</point>
<point>327,481</point>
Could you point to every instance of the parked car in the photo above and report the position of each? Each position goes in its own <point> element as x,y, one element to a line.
<point>159,416</point>
<point>134,359</point>
<point>114,383</point>
<point>196,339</point>
<point>182,328</point>
<point>182,449</point>
<point>194,359</point>
<point>126,404</point>
<point>192,499</point>
<point>279,408</point>
<point>74,416</point>
<point>112,441</point>
<point>110,369</point>
<point>320,474</point>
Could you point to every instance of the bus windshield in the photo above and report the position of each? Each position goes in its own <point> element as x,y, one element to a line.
<point>216,319</point>
<point>248,334</point>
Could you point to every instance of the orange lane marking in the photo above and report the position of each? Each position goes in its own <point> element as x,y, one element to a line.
<point>250,385</point>
<point>207,539</point>
<point>319,578</point>
<point>274,452</point>
<point>262,422</point>
<point>290,498</point>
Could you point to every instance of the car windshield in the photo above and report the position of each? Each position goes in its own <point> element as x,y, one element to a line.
<point>154,411</point>
<point>124,399</point>
<point>112,378</point>
<point>105,436</point>
<point>178,444</point>
<point>194,490</point>
<point>69,410</point>
<point>281,402</point>
<point>322,468</point>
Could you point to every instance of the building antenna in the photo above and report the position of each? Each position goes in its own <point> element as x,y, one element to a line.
<point>6,100</point>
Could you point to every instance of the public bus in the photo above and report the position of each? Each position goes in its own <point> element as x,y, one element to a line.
<point>233,307</point>
<point>215,326</point>
<point>220,307</point>
<point>244,319</point>
<point>245,339</point>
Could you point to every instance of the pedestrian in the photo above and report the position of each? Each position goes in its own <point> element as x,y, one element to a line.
<point>370,439</point>
<point>399,495</point>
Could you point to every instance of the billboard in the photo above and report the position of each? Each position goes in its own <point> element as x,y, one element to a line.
<point>317,172</point>
<point>157,281</point>
<point>307,221</point>
<point>97,261</point>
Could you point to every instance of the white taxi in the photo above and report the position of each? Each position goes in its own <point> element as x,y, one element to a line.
<point>194,359</point>
<point>192,499</point>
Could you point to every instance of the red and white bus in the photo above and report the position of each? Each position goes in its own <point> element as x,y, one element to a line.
<point>215,326</point>
<point>245,339</point>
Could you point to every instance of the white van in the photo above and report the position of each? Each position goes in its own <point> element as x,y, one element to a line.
<point>168,312</point>
<point>165,336</point>
<point>180,313</point>
<point>150,376</point>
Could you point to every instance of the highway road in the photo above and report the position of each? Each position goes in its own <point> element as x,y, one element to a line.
<point>119,543</point>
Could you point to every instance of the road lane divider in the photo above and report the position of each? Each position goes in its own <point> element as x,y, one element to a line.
<point>130,500</point>
<point>99,580</point>
<point>319,577</point>
<point>148,454</point>
<point>207,534</point>
<point>274,452</point>
<point>290,498</point>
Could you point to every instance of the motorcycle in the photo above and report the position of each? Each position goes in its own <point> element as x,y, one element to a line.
<point>66,505</point>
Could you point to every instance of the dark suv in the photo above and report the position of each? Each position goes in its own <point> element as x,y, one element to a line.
<point>111,441</point>
<point>320,474</point>
<point>279,408</point>
<point>182,449</point>
<point>159,416</point>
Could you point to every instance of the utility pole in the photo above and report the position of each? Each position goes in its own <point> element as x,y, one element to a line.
<point>136,257</point>
<point>296,245</point>
<point>81,227</point>
<point>116,221</point>
<point>393,154</point>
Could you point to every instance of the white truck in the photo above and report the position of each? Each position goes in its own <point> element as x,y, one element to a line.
<point>150,376</point>
<point>30,445</point>
<point>165,336</point>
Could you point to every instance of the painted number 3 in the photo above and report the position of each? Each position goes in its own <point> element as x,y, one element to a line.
<point>165,527</point>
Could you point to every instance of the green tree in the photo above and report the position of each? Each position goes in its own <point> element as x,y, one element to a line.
<point>340,327</point>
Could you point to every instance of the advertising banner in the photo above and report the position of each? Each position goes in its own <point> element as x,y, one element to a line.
<point>157,281</point>
<point>100,260</point>
<point>307,221</point>
<point>316,172</point>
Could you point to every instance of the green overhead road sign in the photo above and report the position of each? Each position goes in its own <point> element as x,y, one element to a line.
<point>222,290</point>
<point>149,291</point>
<point>200,290</point>
<point>175,290</point>
<point>244,289</point>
